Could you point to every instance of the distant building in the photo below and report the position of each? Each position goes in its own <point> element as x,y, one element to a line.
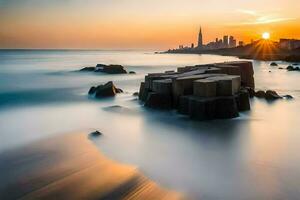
<point>241,43</point>
<point>200,39</point>
<point>232,42</point>
<point>289,43</point>
<point>225,41</point>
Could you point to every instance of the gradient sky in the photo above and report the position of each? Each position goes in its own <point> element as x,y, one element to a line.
<point>141,24</point>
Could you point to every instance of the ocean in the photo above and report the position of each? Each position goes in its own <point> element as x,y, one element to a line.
<point>255,156</point>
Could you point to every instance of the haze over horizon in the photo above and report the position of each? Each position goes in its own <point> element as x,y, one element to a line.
<point>133,24</point>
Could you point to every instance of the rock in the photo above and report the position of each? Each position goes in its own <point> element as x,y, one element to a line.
<point>158,101</point>
<point>269,71</point>
<point>106,90</point>
<point>132,72</point>
<point>272,95</point>
<point>88,69</point>
<point>280,68</point>
<point>92,90</point>
<point>110,69</point>
<point>260,94</point>
<point>288,96</point>
<point>273,64</point>
<point>242,100</point>
<point>96,133</point>
<point>290,68</point>
<point>251,92</point>
<point>135,94</point>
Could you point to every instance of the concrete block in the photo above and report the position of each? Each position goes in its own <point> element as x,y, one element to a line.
<point>227,85</point>
<point>247,72</point>
<point>202,108</point>
<point>183,105</point>
<point>158,101</point>
<point>226,107</point>
<point>229,69</point>
<point>242,99</point>
<point>205,88</point>
<point>162,86</point>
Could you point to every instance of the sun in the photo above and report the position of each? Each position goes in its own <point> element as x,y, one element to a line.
<point>266,35</point>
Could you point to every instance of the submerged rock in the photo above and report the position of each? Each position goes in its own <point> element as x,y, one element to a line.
<point>132,72</point>
<point>260,94</point>
<point>272,95</point>
<point>106,90</point>
<point>288,96</point>
<point>273,64</point>
<point>135,94</point>
<point>96,133</point>
<point>110,69</point>
<point>88,69</point>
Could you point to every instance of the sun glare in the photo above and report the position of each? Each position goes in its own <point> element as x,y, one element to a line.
<point>266,35</point>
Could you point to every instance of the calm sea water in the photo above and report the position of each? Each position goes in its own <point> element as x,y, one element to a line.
<point>255,156</point>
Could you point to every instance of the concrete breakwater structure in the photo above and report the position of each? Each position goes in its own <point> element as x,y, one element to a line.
<point>203,92</point>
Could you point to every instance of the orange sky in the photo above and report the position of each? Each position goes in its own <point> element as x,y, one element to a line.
<point>138,24</point>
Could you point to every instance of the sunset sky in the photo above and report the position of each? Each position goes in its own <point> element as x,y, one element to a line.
<point>141,24</point>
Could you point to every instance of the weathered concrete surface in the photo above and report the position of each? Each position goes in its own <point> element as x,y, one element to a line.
<point>227,85</point>
<point>184,85</point>
<point>247,72</point>
<point>162,86</point>
<point>159,101</point>
<point>203,92</point>
<point>205,88</point>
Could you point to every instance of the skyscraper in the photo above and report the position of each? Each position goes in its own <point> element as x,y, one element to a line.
<point>200,39</point>
<point>225,41</point>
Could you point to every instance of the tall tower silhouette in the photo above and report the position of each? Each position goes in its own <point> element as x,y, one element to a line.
<point>200,39</point>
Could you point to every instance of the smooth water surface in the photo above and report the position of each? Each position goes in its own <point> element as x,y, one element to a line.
<point>255,156</point>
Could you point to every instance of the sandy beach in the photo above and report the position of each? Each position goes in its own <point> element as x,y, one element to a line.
<point>70,167</point>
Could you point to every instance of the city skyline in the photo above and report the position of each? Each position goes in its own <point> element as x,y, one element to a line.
<point>140,24</point>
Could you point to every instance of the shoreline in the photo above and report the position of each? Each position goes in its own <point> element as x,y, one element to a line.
<point>71,167</point>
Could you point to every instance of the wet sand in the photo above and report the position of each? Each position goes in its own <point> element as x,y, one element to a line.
<point>70,167</point>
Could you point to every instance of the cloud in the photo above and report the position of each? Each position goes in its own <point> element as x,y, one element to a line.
<point>254,17</point>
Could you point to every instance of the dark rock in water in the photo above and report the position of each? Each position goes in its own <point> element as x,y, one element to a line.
<point>243,102</point>
<point>269,71</point>
<point>290,68</point>
<point>92,90</point>
<point>295,63</point>
<point>296,68</point>
<point>288,96</point>
<point>251,92</point>
<point>119,90</point>
<point>160,101</point>
<point>110,69</point>
<point>226,107</point>
<point>280,68</point>
<point>106,90</point>
<point>260,94</point>
<point>88,69</point>
<point>272,95</point>
<point>273,64</point>
<point>132,72</point>
<point>96,133</point>
<point>135,94</point>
